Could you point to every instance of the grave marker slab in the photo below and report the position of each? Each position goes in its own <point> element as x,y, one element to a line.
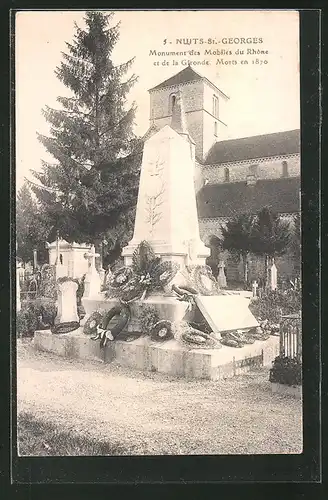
<point>226,312</point>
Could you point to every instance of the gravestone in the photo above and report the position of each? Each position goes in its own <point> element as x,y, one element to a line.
<point>66,302</point>
<point>226,312</point>
<point>222,280</point>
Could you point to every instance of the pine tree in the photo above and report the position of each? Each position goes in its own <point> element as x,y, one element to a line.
<point>31,226</point>
<point>90,192</point>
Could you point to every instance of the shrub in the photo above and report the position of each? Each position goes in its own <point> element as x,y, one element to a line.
<point>26,322</point>
<point>272,303</point>
<point>148,318</point>
<point>286,371</point>
<point>33,314</point>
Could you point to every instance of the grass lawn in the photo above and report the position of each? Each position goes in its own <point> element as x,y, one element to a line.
<point>42,438</point>
<point>68,407</point>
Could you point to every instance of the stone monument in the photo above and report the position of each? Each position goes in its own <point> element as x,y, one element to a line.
<point>166,214</point>
<point>167,219</point>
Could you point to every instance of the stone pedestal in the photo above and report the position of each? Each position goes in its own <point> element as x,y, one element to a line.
<point>168,308</point>
<point>67,308</point>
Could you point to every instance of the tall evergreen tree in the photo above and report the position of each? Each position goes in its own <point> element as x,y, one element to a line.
<point>31,226</point>
<point>91,189</point>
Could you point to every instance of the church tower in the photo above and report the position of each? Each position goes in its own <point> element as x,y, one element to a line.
<point>204,107</point>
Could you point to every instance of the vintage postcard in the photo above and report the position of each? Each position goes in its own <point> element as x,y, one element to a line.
<point>158,224</point>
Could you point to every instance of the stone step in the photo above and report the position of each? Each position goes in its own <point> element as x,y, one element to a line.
<point>170,357</point>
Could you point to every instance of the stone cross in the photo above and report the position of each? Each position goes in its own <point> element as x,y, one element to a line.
<point>91,256</point>
<point>92,282</point>
<point>254,288</point>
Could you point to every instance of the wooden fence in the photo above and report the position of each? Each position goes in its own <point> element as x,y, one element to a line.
<point>291,336</point>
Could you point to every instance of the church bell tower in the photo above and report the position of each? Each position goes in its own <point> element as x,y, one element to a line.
<point>204,107</point>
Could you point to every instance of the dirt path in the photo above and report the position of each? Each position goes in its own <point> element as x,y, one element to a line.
<point>146,413</point>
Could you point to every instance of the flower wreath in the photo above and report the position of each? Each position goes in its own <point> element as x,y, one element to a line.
<point>90,327</point>
<point>194,338</point>
<point>196,277</point>
<point>134,290</point>
<point>121,277</point>
<point>161,331</point>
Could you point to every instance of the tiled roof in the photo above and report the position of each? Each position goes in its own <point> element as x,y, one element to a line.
<point>184,76</point>
<point>258,146</point>
<point>230,199</point>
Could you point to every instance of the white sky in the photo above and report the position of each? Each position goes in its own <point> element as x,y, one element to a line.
<point>263,99</point>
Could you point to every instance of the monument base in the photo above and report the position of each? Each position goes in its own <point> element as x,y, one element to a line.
<point>168,308</point>
<point>169,358</point>
<point>222,312</point>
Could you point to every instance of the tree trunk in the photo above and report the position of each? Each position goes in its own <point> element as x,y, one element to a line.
<point>245,268</point>
<point>266,272</point>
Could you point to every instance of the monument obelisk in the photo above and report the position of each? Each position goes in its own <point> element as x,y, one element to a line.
<point>166,213</point>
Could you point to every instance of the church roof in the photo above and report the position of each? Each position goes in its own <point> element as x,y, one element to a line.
<point>230,199</point>
<point>184,76</point>
<point>258,146</point>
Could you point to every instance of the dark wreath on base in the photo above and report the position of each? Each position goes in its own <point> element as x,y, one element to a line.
<point>161,331</point>
<point>65,327</point>
<point>99,324</point>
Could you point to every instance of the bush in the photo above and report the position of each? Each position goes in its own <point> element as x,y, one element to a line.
<point>47,287</point>
<point>35,314</point>
<point>26,322</point>
<point>272,302</point>
<point>148,318</point>
<point>286,371</point>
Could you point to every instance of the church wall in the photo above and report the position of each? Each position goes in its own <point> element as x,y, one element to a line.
<point>195,128</point>
<point>212,133</point>
<point>209,91</point>
<point>267,168</point>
